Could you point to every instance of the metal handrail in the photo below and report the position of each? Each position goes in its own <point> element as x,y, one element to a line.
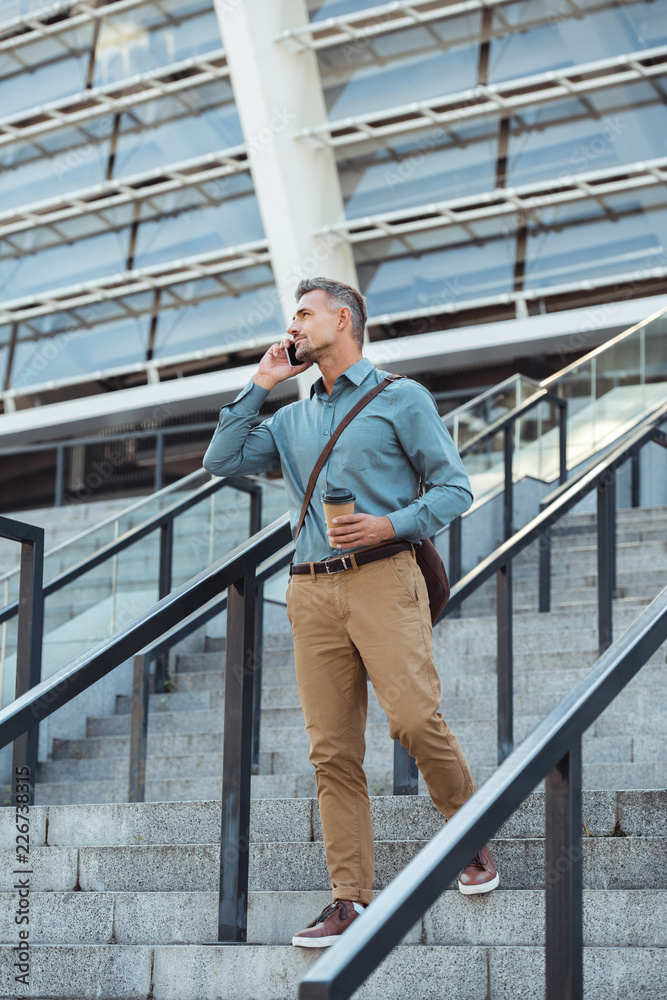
<point>552,750</point>
<point>29,649</point>
<point>130,509</point>
<point>162,520</point>
<point>238,572</point>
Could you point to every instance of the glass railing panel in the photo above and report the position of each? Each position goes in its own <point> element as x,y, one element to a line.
<point>8,639</point>
<point>537,443</point>
<point>81,546</point>
<point>654,350</point>
<point>612,387</point>
<point>475,416</point>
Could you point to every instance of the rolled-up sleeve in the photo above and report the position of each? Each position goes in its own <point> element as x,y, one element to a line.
<point>238,448</point>
<point>429,446</point>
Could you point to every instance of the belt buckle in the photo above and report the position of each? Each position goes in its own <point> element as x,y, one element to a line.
<point>343,567</point>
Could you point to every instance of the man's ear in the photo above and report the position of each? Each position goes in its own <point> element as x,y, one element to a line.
<point>344,316</point>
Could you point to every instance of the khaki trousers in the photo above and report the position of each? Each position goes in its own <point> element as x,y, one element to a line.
<point>374,617</point>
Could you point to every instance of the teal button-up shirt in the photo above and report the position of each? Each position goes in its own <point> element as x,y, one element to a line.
<point>396,439</point>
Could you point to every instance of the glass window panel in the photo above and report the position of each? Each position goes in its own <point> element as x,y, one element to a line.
<point>49,82</point>
<point>437,278</point>
<point>199,231</point>
<point>627,246</point>
<point>134,43</point>
<point>414,64</point>
<point>238,281</point>
<point>67,355</point>
<point>540,149</point>
<point>50,177</point>
<point>232,319</point>
<point>431,166</point>
<point>170,142</point>
<point>567,41</point>
<point>84,260</point>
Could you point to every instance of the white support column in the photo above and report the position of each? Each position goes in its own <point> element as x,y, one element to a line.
<point>278,92</point>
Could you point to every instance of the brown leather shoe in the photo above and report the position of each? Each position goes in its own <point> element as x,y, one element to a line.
<point>479,876</point>
<point>327,928</point>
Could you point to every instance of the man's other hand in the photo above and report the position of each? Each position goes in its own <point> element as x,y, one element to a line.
<point>351,530</point>
<point>274,366</point>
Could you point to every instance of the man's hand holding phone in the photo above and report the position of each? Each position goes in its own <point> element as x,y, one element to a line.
<point>277,365</point>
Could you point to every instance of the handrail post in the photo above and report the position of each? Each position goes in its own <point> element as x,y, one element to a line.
<point>505,661</point>
<point>455,556</point>
<point>562,442</point>
<point>545,571</point>
<point>164,588</point>
<point>60,476</point>
<point>139,729</point>
<point>237,743</point>
<point>508,492</point>
<point>406,775</point>
<point>636,480</point>
<point>258,651</point>
<point>29,652</point>
<point>258,646</point>
<point>563,877</point>
<point>606,542</point>
<point>159,461</point>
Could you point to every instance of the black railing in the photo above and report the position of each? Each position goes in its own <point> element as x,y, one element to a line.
<point>552,750</point>
<point>164,523</point>
<point>29,643</point>
<point>238,573</point>
<point>600,476</point>
<point>143,660</point>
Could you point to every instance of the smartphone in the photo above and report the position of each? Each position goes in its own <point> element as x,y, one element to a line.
<point>290,350</point>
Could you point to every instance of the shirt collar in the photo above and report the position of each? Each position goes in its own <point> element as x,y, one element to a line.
<point>356,374</point>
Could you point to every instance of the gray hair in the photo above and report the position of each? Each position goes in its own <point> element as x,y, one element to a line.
<point>339,296</point>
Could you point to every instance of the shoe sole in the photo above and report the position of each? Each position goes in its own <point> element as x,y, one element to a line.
<point>475,890</point>
<point>320,942</point>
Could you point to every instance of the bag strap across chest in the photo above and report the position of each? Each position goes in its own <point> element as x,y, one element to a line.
<point>348,418</point>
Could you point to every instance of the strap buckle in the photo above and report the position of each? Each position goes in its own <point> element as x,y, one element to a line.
<point>343,566</point>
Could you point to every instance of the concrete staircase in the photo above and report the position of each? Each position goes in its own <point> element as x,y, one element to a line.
<point>123,895</point>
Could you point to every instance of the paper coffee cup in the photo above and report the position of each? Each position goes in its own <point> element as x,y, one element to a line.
<point>336,502</point>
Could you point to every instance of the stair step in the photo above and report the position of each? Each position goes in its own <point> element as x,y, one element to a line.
<point>634,813</point>
<point>196,972</point>
<point>612,918</point>
<point>608,863</point>
<point>649,754</point>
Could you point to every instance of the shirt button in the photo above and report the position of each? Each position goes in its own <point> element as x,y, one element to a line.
<point>330,405</point>
<point>325,433</point>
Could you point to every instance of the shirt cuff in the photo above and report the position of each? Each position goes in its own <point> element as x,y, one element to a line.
<point>252,397</point>
<point>404,524</point>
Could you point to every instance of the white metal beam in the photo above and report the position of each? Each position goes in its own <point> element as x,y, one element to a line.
<point>519,299</point>
<point>15,35</point>
<point>87,105</point>
<point>527,199</point>
<point>115,286</point>
<point>360,26</point>
<point>506,98</point>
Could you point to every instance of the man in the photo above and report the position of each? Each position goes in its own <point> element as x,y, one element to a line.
<point>367,613</point>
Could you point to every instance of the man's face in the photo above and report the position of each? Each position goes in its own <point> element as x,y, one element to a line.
<point>315,328</point>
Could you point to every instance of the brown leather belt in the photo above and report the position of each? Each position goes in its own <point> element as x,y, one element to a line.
<point>349,561</point>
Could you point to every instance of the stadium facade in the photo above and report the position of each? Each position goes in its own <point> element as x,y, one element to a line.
<point>492,176</point>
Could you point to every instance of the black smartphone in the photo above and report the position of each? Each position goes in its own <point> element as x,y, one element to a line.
<point>290,350</point>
